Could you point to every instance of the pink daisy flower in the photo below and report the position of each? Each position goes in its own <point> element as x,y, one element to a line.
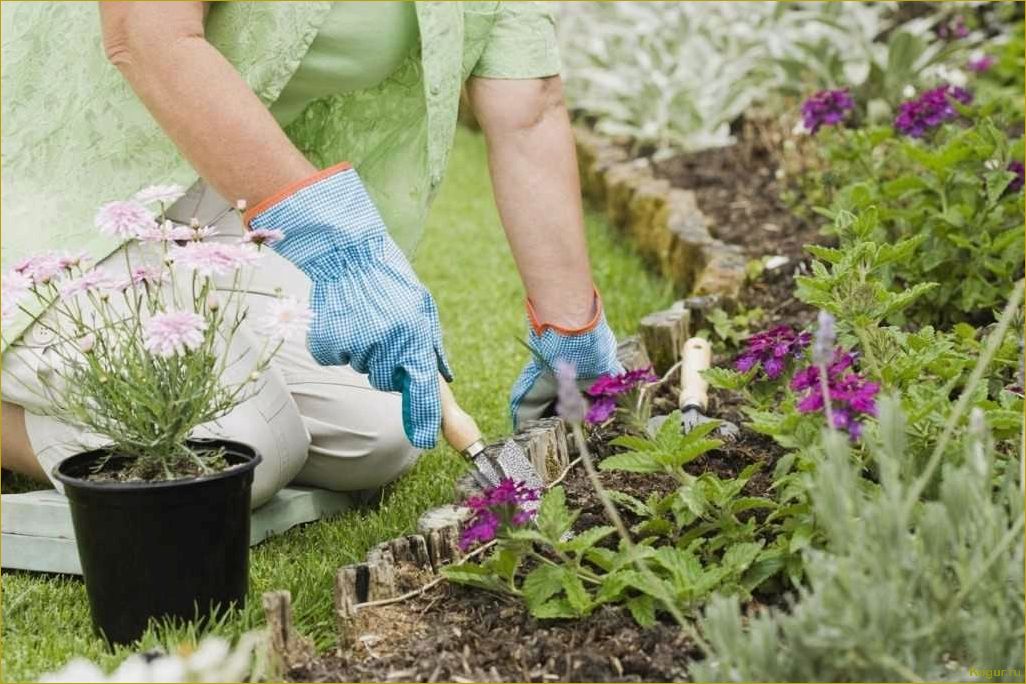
<point>41,268</point>
<point>284,319</point>
<point>213,258</point>
<point>124,219</point>
<point>95,280</point>
<point>203,233</point>
<point>165,232</point>
<point>142,275</point>
<point>165,194</point>
<point>68,261</point>
<point>173,333</point>
<point>13,290</point>
<point>263,236</point>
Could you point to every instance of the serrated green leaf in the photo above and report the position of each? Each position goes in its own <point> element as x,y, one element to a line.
<point>587,539</point>
<point>554,519</point>
<point>632,462</point>
<point>633,504</point>
<point>576,594</point>
<point>642,609</point>
<point>474,575</point>
<point>554,609</point>
<point>541,584</point>
<point>739,556</point>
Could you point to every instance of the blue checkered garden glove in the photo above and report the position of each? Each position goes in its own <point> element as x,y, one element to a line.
<point>591,349</point>
<point>370,310</point>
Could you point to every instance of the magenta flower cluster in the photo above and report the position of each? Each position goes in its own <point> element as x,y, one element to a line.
<point>826,108</point>
<point>508,504</point>
<point>607,389</point>
<point>981,64</point>
<point>929,110</point>
<point>852,396</point>
<point>771,349</point>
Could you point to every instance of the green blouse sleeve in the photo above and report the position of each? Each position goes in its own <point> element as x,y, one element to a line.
<point>522,43</point>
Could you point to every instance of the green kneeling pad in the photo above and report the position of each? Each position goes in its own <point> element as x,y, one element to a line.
<point>38,535</point>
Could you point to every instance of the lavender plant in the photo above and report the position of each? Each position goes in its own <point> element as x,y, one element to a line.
<point>144,354</point>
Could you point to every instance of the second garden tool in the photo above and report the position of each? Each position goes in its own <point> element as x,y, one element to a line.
<point>693,400</point>
<point>488,469</point>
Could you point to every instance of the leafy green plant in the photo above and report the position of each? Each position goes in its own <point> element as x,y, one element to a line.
<point>692,541</point>
<point>729,330</point>
<point>927,591</point>
<point>952,195</point>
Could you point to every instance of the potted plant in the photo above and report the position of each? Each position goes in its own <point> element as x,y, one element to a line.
<point>141,357</point>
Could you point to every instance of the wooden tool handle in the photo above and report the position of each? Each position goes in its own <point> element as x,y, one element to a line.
<point>697,357</point>
<point>458,428</point>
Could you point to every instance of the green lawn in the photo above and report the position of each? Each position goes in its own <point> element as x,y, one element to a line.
<point>465,262</point>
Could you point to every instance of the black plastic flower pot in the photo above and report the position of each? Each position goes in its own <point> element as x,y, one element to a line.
<point>152,550</point>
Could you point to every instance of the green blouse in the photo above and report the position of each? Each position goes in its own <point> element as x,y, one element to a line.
<point>75,136</point>
<point>358,46</point>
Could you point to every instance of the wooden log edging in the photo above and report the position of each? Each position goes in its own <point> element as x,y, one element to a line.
<point>359,586</point>
<point>665,223</point>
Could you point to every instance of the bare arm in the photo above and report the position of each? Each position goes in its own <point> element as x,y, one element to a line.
<point>199,99</point>
<point>537,189</point>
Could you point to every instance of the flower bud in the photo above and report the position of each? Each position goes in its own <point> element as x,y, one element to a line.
<point>194,223</point>
<point>826,336</point>
<point>240,205</point>
<point>213,303</point>
<point>254,376</point>
<point>87,342</point>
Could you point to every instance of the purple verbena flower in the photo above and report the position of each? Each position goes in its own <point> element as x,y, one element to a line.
<point>771,349</point>
<point>1019,170</point>
<point>929,110</point>
<point>981,64</point>
<point>607,388</point>
<point>504,506</point>
<point>852,396</point>
<point>826,108</point>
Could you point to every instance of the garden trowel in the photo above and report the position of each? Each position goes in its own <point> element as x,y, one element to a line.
<point>696,356</point>
<point>487,468</point>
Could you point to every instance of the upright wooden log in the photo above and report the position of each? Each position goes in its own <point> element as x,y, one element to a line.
<point>288,648</point>
<point>345,601</point>
<point>663,334</point>
<point>381,577</point>
<point>631,353</point>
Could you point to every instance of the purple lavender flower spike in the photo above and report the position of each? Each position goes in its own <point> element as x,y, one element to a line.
<point>826,108</point>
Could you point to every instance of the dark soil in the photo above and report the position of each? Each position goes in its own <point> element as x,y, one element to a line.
<point>455,633</point>
<point>738,190</point>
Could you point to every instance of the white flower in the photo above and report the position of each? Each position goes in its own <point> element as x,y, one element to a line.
<point>165,232</point>
<point>908,91</point>
<point>173,333</point>
<point>284,319</point>
<point>78,670</point>
<point>214,258</point>
<point>124,219</point>
<point>165,194</point>
<point>14,288</point>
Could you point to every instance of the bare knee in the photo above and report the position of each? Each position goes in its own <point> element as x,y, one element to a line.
<point>15,447</point>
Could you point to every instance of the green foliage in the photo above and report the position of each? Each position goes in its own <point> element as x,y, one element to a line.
<point>949,196</point>
<point>730,330</point>
<point>918,589</point>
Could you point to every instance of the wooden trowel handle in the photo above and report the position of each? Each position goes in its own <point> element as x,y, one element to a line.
<point>458,428</point>
<point>697,357</point>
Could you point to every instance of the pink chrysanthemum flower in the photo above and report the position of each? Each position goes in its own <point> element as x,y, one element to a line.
<point>41,268</point>
<point>146,276</point>
<point>263,236</point>
<point>165,194</point>
<point>167,231</point>
<point>125,219</point>
<point>13,289</point>
<point>97,279</point>
<point>213,258</point>
<point>68,261</point>
<point>284,319</point>
<point>202,233</point>
<point>173,333</point>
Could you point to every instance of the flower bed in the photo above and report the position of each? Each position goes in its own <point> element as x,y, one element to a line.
<point>868,276</point>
